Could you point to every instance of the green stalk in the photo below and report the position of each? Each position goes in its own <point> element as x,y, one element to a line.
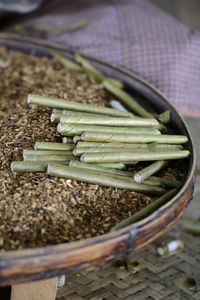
<point>150,146</point>
<point>119,166</point>
<point>53,146</point>
<point>132,138</point>
<point>55,118</point>
<point>57,114</point>
<point>95,74</point>
<point>150,170</point>
<point>126,99</point>
<point>76,138</point>
<point>31,166</point>
<point>65,158</point>
<point>137,156</point>
<point>46,152</point>
<point>28,166</point>
<point>90,176</point>
<point>166,182</point>
<point>75,106</point>
<point>67,139</point>
<point>146,211</point>
<point>116,82</point>
<point>191,225</point>
<point>87,66</point>
<point>78,25</point>
<point>95,167</point>
<point>80,150</point>
<point>165,117</point>
<point>109,121</point>
<point>70,64</point>
<point>76,129</point>
<point>125,175</point>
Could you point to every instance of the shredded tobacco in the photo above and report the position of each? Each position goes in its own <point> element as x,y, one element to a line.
<point>36,209</point>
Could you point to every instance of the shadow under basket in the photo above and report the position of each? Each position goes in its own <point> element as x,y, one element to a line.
<point>40,263</point>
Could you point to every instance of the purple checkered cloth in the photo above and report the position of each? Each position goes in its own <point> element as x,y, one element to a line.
<point>138,36</point>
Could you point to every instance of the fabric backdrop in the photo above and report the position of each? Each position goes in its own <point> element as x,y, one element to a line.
<point>134,34</point>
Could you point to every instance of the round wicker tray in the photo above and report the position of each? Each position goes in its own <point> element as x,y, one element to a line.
<point>35,264</point>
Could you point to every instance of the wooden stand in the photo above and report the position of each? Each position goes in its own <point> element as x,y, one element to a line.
<point>36,290</point>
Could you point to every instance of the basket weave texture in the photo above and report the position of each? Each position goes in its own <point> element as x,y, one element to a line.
<point>153,281</point>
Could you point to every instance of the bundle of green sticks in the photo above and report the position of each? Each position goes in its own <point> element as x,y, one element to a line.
<point>100,142</point>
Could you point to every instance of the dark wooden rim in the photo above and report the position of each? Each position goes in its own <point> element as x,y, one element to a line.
<point>38,263</point>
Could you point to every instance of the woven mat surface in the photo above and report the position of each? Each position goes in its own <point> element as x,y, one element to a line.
<point>153,281</point>
<point>156,275</point>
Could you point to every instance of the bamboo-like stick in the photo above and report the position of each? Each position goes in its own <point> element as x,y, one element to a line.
<point>132,138</point>
<point>167,182</point>
<point>57,114</point>
<point>78,164</point>
<point>127,99</point>
<point>76,138</point>
<point>28,166</point>
<point>165,117</point>
<point>55,118</point>
<point>66,61</point>
<point>130,163</point>
<point>191,225</point>
<point>80,150</point>
<point>93,177</point>
<point>117,105</point>
<point>65,158</point>
<point>89,68</point>
<point>150,146</point>
<point>75,106</point>
<point>110,121</point>
<point>136,156</point>
<point>57,111</point>
<point>53,146</point>
<point>77,129</point>
<point>67,140</point>
<point>82,114</point>
<point>94,74</point>
<point>126,174</point>
<point>119,166</point>
<point>116,82</point>
<point>150,170</point>
<point>32,166</point>
<point>46,152</point>
<point>146,211</point>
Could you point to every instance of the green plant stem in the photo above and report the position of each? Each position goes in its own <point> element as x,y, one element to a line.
<point>77,129</point>
<point>75,106</point>
<point>70,64</point>
<point>150,170</point>
<point>146,211</point>
<point>32,166</point>
<point>132,138</point>
<point>137,156</point>
<point>80,150</point>
<point>150,146</point>
<point>109,121</point>
<point>46,152</point>
<point>126,99</point>
<point>93,177</point>
<point>191,225</point>
<point>65,158</point>
<point>53,146</point>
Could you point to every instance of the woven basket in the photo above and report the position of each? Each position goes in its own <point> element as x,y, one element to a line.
<point>35,264</point>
